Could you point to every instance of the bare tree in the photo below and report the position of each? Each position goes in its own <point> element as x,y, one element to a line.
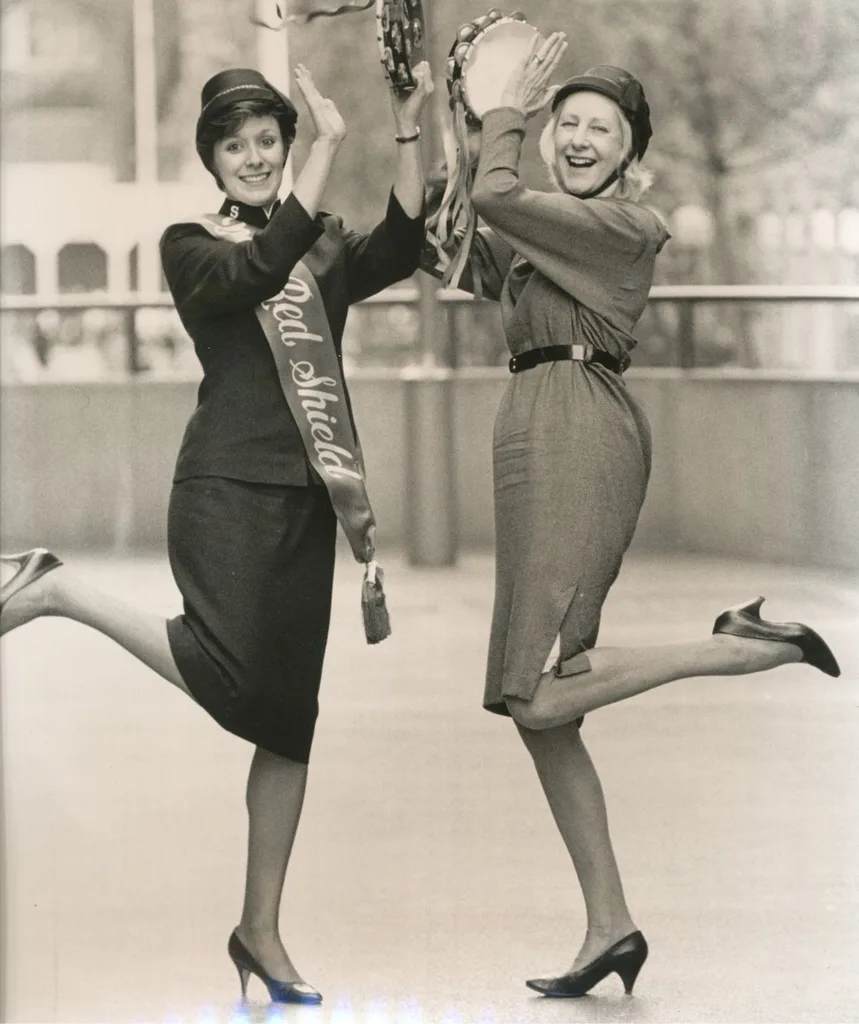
<point>742,90</point>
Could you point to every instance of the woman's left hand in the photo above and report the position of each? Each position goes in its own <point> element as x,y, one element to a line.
<point>409,106</point>
<point>528,87</point>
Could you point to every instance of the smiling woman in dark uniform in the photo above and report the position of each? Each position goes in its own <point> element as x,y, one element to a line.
<point>251,529</point>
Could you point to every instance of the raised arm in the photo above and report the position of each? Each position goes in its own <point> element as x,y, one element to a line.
<point>556,223</point>
<point>330,133</point>
<point>600,251</point>
<point>209,276</point>
<point>391,251</point>
<point>407,109</point>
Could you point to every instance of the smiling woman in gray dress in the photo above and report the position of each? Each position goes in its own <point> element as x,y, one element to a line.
<point>572,270</point>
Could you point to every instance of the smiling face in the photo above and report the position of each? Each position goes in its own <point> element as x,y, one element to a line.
<point>249,161</point>
<point>588,141</point>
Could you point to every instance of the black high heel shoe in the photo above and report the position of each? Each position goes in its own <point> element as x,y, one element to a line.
<point>31,565</point>
<point>624,958</point>
<point>279,991</point>
<point>745,620</point>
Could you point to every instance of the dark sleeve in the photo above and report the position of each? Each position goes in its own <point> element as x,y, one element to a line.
<point>208,276</point>
<point>391,252</point>
<point>489,259</point>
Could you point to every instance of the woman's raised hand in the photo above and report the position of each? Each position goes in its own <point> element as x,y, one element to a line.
<point>409,106</point>
<point>327,122</point>
<point>528,87</point>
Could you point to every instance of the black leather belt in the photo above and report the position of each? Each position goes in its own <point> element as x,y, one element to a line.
<point>555,353</point>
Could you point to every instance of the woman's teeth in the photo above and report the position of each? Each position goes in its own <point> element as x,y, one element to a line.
<point>580,161</point>
<point>255,179</point>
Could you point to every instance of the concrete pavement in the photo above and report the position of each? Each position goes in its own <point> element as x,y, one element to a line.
<point>428,880</point>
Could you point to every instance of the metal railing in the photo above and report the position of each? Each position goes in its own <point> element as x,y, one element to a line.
<point>687,298</point>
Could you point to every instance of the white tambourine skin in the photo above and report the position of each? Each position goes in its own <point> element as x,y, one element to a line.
<point>493,54</point>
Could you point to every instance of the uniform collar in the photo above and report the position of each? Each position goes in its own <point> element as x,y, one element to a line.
<point>253,215</point>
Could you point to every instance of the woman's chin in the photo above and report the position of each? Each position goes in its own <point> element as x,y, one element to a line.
<point>573,186</point>
<point>255,196</point>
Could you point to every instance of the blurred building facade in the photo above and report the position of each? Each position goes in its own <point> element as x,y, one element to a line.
<point>75,215</point>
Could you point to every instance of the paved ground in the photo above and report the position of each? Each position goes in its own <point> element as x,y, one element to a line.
<point>428,880</point>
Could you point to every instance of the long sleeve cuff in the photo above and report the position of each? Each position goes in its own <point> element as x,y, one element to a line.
<point>405,229</point>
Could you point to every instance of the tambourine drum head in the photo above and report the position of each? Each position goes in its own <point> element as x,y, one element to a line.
<point>490,62</point>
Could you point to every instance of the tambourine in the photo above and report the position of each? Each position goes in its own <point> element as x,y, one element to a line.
<point>480,63</point>
<point>485,52</point>
<point>402,40</point>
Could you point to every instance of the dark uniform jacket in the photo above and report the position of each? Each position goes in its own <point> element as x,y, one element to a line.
<point>242,427</point>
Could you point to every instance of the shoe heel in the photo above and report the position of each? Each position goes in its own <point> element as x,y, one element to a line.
<point>628,973</point>
<point>753,608</point>
<point>244,974</point>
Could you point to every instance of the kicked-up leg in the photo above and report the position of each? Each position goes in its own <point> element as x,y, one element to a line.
<point>61,592</point>
<point>605,675</point>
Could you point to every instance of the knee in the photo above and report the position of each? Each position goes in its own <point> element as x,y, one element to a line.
<point>546,744</point>
<point>530,715</point>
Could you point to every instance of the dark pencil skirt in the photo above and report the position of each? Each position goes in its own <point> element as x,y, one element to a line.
<point>255,566</point>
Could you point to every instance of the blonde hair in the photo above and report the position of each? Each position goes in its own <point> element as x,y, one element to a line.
<point>632,182</point>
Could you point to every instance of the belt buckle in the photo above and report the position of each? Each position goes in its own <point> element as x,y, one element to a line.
<point>512,364</point>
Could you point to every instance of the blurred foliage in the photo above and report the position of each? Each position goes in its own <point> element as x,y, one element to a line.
<point>758,96</point>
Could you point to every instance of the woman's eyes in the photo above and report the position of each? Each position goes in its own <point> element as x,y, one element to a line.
<point>266,142</point>
<point>593,127</point>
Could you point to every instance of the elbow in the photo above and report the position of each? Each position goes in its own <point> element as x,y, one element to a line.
<point>490,194</point>
<point>482,198</point>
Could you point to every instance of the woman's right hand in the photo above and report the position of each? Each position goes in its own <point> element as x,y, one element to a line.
<point>327,122</point>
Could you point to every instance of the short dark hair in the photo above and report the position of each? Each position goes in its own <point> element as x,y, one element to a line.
<point>229,119</point>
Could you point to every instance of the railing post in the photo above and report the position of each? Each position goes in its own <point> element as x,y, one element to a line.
<point>686,355</point>
<point>430,498</point>
<point>132,342</point>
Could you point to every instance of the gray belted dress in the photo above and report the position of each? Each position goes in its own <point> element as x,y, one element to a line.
<point>571,447</point>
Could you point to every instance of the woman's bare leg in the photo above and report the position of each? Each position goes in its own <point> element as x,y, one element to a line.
<point>275,796</point>
<point>60,592</point>
<point>575,796</point>
<point>605,675</point>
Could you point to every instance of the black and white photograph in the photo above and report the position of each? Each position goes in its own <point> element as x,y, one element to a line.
<point>429,512</point>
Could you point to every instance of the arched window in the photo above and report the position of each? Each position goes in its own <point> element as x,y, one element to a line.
<point>82,267</point>
<point>17,270</point>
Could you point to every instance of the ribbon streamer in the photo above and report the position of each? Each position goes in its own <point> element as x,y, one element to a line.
<point>454,223</point>
<point>303,19</point>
